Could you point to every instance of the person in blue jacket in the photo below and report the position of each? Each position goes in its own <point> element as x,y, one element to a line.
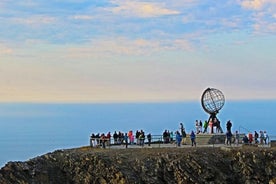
<point>193,137</point>
<point>178,138</point>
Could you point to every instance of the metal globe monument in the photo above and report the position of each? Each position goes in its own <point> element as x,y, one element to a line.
<point>212,101</point>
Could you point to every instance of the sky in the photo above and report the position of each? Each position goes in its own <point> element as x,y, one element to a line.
<point>136,51</point>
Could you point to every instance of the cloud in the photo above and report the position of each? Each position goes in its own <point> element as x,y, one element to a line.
<point>252,4</point>
<point>264,21</point>
<point>83,17</point>
<point>269,27</point>
<point>114,46</point>
<point>256,4</point>
<point>263,15</point>
<point>3,3</point>
<point>35,20</point>
<point>233,23</point>
<point>182,44</point>
<point>141,9</point>
<point>123,46</point>
<point>4,50</point>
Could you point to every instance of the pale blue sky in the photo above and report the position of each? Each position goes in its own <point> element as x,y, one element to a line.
<point>116,51</point>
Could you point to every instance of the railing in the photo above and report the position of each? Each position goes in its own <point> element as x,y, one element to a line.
<point>158,140</point>
<point>241,127</point>
<point>107,142</point>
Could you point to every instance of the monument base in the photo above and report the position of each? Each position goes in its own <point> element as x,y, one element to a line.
<point>273,143</point>
<point>204,139</point>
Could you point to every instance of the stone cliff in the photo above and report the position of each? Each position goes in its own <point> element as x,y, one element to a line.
<point>157,165</point>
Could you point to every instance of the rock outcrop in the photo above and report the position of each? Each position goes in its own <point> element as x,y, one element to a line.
<point>157,165</point>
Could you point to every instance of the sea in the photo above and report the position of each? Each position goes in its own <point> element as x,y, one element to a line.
<point>28,130</point>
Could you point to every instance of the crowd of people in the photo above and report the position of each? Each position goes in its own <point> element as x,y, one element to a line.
<point>120,138</point>
<point>179,137</point>
<point>140,138</point>
<point>258,138</point>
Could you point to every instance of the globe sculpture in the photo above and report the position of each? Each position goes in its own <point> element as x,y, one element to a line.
<point>212,101</point>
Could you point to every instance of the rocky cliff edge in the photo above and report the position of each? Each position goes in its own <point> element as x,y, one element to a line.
<point>156,165</point>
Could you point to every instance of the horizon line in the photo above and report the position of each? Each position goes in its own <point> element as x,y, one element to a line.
<point>129,101</point>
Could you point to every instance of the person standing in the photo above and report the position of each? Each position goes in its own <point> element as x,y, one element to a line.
<point>137,135</point>
<point>211,124</point>
<point>178,138</point>
<point>130,137</point>
<point>219,129</point>
<point>237,137</point>
<point>166,134</point>
<point>228,125</point>
<point>228,138</point>
<point>197,126</point>
<point>262,137</point>
<point>205,126</point>
<point>149,139</point>
<point>142,138</point>
<point>256,136</point>
<point>115,137</point>
<point>265,137</point>
<point>250,138</point>
<point>200,126</point>
<point>193,138</point>
<point>245,140</point>
<point>171,136</point>
<point>181,127</point>
<point>102,140</point>
<point>126,139</point>
<point>108,138</point>
<point>184,135</point>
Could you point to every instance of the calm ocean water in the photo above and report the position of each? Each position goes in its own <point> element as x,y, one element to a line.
<point>28,130</point>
